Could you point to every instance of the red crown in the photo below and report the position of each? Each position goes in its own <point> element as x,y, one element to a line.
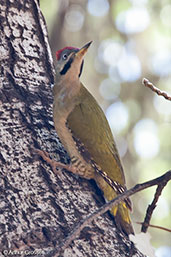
<point>59,52</point>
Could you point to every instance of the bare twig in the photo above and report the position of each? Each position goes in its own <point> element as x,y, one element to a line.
<point>155,226</point>
<point>148,84</point>
<point>151,207</point>
<point>76,231</point>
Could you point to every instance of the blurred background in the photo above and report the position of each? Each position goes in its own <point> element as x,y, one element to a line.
<point>131,40</point>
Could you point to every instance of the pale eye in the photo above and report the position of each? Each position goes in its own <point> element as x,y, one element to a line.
<point>64,56</point>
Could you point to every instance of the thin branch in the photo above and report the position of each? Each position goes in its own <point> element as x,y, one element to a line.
<point>151,207</point>
<point>148,84</point>
<point>76,231</point>
<point>155,226</point>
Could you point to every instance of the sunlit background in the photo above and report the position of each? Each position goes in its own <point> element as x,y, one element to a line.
<point>131,40</point>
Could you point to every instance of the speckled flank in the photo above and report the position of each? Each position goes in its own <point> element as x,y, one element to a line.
<point>119,189</point>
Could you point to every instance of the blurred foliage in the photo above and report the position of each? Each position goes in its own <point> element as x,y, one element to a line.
<point>131,40</point>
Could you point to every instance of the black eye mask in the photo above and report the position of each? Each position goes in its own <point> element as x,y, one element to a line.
<point>66,66</point>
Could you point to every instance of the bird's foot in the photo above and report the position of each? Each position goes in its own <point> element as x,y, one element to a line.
<point>54,164</point>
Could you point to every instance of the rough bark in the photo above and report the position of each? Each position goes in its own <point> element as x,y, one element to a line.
<point>37,208</point>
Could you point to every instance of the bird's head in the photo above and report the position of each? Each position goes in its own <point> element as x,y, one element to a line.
<point>70,62</point>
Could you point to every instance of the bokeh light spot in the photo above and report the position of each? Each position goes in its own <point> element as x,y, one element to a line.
<point>98,7</point>
<point>109,90</point>
<point>114,74</point>
<point>117,115</point>
<point>125,21</point>
<point>146,142</point>
<point>160,63</point>
<point>163,251</point>
<point>112,53</point>
<point>162,106</point>
<point>74,18</point>
<point>129,67</point>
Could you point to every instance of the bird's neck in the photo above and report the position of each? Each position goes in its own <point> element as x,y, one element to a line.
<point>66,95</point>
<point>66,88</point>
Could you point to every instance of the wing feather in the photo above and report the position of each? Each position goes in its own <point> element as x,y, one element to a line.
<point>89,124</point>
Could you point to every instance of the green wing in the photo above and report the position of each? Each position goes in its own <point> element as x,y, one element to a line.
<point>89,124</point>
<point>90,127</point>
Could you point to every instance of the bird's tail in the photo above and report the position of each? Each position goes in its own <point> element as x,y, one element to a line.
<point>122,218</point>
<point>121,210</point>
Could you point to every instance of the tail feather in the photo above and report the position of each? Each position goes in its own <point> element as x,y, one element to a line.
<point>122,218</point>
<point>120,211</point>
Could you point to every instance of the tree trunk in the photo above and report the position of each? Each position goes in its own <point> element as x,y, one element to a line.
<point>37,208</point>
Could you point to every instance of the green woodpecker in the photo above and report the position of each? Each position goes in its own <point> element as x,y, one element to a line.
<point>85,133</point>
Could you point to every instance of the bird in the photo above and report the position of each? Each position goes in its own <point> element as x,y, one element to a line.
<point>84,131</point>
